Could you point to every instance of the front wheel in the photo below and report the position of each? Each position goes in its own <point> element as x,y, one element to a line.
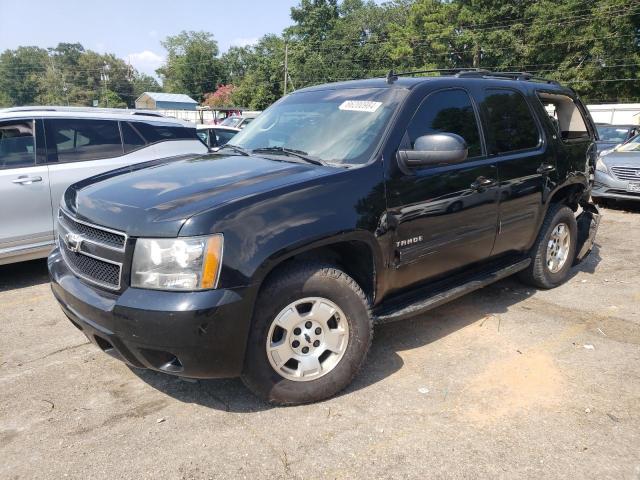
<point>555,249</point>
<point>310,336</point>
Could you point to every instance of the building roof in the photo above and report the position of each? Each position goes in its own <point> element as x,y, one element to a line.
<point>169,97</point>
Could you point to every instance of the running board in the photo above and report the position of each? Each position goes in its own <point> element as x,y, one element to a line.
<point>429,297</point>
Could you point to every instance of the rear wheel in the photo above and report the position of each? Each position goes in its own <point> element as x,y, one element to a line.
<point>310,336</point>
<point>555,249</point>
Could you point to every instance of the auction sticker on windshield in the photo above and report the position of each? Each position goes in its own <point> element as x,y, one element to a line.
<point>360,106</point>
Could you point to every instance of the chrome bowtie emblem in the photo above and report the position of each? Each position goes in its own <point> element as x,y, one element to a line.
<point>73,241</point>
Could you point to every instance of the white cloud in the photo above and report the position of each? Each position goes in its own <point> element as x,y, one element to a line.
<point>146,61</point>
<point>244,42</point>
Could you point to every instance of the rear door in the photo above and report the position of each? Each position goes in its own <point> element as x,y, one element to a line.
<point>525,164</point>
<point>25,212</point>
<point>78,148</point>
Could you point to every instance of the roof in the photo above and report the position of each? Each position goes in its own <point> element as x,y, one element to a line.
<point>217,127</point>
<point>89,113</point>
<point>169,97</point>
<point>409,82</point>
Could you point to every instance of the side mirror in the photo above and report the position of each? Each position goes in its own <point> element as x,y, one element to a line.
<point>435,149</point>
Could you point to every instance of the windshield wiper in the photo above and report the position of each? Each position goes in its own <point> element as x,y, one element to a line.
<point>288,151</point>
<point>235,148</point>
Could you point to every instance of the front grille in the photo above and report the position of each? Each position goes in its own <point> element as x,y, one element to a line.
<point>97,271</point>
<point>93,253</point>
<point>93,234</point>
<point>627,173</point>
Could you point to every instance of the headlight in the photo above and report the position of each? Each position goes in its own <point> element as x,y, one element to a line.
<point>601,167</point>
<point>177,263</point>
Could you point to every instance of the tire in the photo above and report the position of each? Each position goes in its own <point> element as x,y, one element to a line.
<point>539,273</point>
<point>307,285</point>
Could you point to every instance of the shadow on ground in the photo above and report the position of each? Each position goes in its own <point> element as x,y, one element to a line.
<point>23,274</point>
<point>383,361</point>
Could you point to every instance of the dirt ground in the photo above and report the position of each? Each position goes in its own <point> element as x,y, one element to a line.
<point>506,382</point>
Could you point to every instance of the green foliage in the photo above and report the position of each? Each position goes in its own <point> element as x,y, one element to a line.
<point>192,65</point>
<point>68,75</point>
<point>591,45</point>
<point>20,72</point>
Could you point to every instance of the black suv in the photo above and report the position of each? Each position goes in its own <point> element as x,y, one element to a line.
<point>340,206</point>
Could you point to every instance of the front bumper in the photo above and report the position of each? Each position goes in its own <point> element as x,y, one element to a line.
<point>191,334</point>
<point>607,186</point>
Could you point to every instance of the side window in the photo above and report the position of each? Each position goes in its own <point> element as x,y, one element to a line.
<point>131,140</point>
<point>565,116</point>
<point>510,123</point>
<point>17,144</point>
<point>158,132</point>
<point>204,136</point>
<point>79,140</point>
<point>223,136</point>
<point>447,111</point>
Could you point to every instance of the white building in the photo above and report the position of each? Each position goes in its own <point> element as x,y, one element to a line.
<point>616,113</point>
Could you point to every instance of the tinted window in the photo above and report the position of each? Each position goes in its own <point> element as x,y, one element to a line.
<point>79,140</point>
<point>613,134</point>
<point>131,140</point>
<point>447,111</point>
<point>157,133</point>
<point>511,126</point>
<point>204,136</point>
<point>223,136</point>
<point>17,145</point>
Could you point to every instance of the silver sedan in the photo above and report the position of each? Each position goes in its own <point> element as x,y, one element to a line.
<point>618,172</point>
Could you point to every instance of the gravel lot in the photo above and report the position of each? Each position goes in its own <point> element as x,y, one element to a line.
<point>505,382</point>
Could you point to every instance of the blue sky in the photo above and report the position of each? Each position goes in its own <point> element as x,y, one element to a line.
<point>133,29</point>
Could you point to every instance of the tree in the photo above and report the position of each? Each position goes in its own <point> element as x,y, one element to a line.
<point>222,97</point>
<point>192,65</point>
<point>141,82</point>
<point>20,73</point>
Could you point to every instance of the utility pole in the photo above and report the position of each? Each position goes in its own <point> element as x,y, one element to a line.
<point>286,65</point>
<point>104,76</point>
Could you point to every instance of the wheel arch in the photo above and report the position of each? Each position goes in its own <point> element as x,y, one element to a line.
<point>357,252</point>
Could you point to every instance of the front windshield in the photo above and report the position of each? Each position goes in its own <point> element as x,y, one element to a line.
<point>231,121</point>
<point>632,145</point>
<point>334,126</point>
<point>613,134</point>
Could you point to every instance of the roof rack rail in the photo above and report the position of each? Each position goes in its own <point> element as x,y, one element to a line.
<point>520,76</point>
<point>58,108</point>
<point>472,72</point>
<point>393,76</point>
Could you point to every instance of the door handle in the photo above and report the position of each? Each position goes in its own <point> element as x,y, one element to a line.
<point>482,183</point>
<point>26,180</point>
<point>545,168</point>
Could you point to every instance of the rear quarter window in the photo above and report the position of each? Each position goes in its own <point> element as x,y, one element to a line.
<point>153,133</point>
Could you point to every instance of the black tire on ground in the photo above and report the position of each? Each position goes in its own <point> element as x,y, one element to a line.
<point>297,281</point>
<point>602,201</point>
<point>538,273</point>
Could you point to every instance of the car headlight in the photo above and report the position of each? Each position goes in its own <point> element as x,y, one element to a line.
<point>601,167</point>
<point>177,263</point>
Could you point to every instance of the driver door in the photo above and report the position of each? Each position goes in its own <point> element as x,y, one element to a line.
<point>446,216</point>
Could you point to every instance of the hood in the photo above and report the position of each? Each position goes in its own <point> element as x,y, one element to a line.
<point>156,198</point>
<point>604,145</point>
<point>622,159</point>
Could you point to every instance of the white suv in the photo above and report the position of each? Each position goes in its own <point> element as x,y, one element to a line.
<point>45,149</point>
